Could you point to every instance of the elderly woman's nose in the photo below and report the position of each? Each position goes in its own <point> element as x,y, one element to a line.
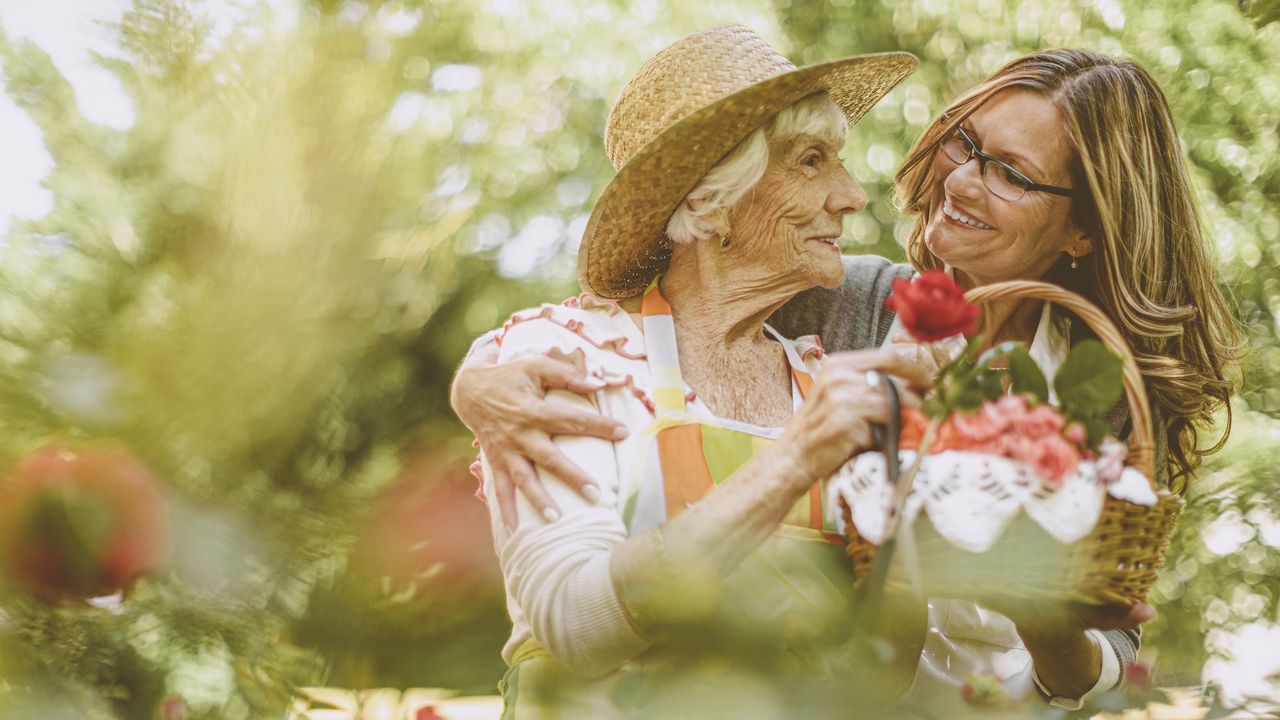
<point>847,196</point>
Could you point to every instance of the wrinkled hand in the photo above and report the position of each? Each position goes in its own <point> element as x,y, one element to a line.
<point>836,419</point>
<point>506,407</point>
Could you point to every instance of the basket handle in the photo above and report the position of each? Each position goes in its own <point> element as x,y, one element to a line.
<point>1141,444</point>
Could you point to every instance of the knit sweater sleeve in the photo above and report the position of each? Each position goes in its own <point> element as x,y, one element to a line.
<point>851,316</point>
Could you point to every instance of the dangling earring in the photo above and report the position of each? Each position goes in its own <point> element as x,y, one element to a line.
<point>1075,262</point>
<point>724,241</point>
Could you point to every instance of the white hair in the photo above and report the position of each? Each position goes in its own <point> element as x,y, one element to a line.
<point>726,183</point>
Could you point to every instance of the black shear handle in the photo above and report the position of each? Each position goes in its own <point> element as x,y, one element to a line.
<point>871,595</point>
<point>886,436</point>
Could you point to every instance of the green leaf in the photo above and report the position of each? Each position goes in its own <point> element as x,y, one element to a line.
<point>997,352</point>
<point>1028,378</point>
<point>1095,429</point>
<point>1090,380</point>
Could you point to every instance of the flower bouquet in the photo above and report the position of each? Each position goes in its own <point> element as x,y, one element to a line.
<point>1005,492</point>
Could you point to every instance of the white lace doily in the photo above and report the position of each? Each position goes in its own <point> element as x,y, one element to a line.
<point>970,497</point>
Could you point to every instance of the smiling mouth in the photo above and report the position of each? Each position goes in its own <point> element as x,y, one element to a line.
<point>827,241</point>
<point>952,213</point>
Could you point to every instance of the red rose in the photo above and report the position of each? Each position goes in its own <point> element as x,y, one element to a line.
<point>932,307</point>
<point>81,522</point>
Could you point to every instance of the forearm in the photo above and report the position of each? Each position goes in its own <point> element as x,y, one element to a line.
<point>592,595</point>
<point>1067,664</point>
<point>688,556</point>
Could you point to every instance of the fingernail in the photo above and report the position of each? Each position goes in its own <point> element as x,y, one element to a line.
<point>591,493</point>
<point>551,514</point>
<point>620,433</point>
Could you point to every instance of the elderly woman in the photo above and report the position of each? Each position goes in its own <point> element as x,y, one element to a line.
<point>708,514</point>
<point>1063,166</point>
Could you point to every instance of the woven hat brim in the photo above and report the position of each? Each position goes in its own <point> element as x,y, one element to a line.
<point>624,245</point>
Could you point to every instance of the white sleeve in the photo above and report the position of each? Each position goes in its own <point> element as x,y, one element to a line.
<point>1107,677</point>
<point>480,343</point>
<point>559,572</point>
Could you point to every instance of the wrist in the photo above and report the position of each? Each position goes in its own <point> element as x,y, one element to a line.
<point>790,466</point>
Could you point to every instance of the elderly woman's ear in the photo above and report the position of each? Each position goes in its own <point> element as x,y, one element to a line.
<point>719,217</point>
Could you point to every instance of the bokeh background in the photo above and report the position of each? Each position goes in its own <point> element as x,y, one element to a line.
<point>248,242</point>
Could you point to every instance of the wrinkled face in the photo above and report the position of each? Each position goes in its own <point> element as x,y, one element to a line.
<point>789,222</point>
<point>990,239</point>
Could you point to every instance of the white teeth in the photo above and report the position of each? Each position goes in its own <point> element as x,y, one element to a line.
<point>958,216</point>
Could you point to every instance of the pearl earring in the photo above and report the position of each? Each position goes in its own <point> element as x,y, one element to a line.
<point>1075,262</point>
<point>724,241</point>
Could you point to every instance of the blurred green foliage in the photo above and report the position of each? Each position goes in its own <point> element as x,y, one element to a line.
<point>264,284</point>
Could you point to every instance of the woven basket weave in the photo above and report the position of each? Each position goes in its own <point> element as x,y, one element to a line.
<point>1116,562</point>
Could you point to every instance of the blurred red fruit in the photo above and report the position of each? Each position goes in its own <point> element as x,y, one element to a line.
<point>429,527</point>
<point>81,522</point>
<point>428,713</point>
<point>1139,676</point>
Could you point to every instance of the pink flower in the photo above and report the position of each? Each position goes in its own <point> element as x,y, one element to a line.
<point>981,427</point>
<point>1076,433</point>
<point>1016,447</point>
<point>1054,459</point>
<point>1111,455</point>
<point>1041,421</point>
<point>985,691</point>
<point>1012,406</point>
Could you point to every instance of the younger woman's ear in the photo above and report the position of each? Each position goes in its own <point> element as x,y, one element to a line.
<point>1081,246</point>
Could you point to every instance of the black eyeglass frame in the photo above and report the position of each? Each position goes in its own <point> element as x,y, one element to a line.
<point>984,158</point>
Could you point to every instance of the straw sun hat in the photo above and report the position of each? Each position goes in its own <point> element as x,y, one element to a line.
<point>685,110</point>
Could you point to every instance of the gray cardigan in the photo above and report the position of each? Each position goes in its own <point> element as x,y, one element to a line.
<point>853,317</point>
<point>850,317</point>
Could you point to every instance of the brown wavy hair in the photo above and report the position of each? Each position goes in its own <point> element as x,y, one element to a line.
<point>1150,270</point>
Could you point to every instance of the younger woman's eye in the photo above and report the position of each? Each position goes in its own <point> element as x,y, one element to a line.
<point>1015,178</point>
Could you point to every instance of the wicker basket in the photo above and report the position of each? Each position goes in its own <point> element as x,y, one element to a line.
<point>1115,563</point>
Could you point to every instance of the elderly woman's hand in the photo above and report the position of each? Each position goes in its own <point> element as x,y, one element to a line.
<point>506,407</point>
<point>836,419</point>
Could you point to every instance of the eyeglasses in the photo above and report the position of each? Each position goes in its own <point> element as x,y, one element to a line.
<point>1001,179</point>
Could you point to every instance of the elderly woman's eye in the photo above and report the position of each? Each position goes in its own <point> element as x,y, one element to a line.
<point>813,161</point>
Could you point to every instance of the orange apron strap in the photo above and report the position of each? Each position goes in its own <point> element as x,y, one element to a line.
<point>804,382</point>
<point>685,476</point>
